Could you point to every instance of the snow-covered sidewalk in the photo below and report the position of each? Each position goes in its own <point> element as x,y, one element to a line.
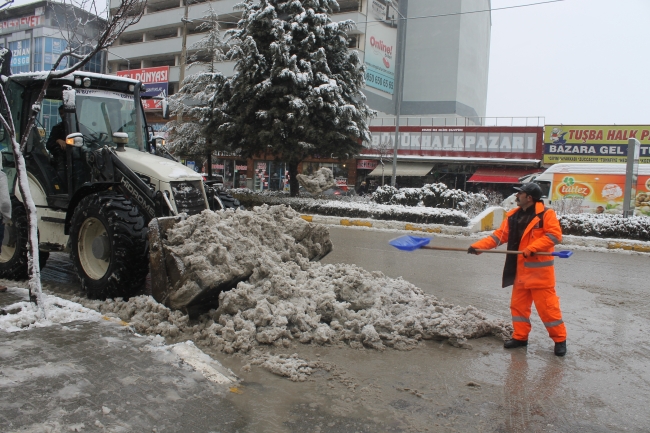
<point>80,371</point>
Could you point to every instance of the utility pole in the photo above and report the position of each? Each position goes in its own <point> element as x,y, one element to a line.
<point>181,74</point>
<point>399,78</point>
<point>631,176</point>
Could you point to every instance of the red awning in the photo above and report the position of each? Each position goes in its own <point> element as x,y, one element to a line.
<point>501,175</point>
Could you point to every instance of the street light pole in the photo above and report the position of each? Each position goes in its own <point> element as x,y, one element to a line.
<point>399,79</point>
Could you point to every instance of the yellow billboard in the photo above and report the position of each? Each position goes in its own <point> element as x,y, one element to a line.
<point>590,143</point>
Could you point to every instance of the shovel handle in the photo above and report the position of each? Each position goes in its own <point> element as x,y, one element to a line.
<point>427,247</point>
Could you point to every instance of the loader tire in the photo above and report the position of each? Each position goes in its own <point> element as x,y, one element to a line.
<point>109,248</point>
<point>13,257</point>
<point>229,202</point>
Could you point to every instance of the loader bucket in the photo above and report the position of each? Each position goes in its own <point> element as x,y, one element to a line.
<point>160,284</point>
<point>166,273</point>
<point>182,281</point>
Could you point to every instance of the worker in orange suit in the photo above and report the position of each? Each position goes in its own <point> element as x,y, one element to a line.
<point>530,228</point>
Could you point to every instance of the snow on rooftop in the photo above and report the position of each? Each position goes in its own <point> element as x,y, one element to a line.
<point>589,168</point>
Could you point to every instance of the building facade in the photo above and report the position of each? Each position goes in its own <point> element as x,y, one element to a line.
<point>36,34</point>
<point>446,54</point>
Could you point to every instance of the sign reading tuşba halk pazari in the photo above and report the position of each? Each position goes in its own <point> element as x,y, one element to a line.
<point>591,143</point>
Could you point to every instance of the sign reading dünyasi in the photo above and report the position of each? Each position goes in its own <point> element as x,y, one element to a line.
<point>459,141</point>
<point>156,82</point>
<point>590,143</point>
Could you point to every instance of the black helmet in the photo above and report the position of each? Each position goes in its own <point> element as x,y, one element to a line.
<point>532,189</point>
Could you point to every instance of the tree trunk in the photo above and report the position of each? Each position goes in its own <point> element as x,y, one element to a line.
<point>34,284</point>
<point>294,186</point>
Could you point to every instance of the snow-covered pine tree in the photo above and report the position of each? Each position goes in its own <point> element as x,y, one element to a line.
<point>186,137</point>
<point>209,49</point>
<point>296,90</point>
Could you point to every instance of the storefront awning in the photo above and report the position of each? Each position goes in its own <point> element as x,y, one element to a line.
<point>403,169</point>
<point>500,175</point>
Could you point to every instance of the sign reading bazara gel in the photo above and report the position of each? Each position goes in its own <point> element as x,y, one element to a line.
<point>589,143</point>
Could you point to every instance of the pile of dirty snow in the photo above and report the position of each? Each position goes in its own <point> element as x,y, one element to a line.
<point>320,181</point>
<point>287,299</point>
<point>215,250</point>
<point>326,304</point>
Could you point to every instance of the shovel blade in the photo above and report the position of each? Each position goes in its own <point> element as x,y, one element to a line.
<point>409,243</point>
<point>562,254</point>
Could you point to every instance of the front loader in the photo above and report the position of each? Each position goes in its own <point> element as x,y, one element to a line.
<point>115,181</point>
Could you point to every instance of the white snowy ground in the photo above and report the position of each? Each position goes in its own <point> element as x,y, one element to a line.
<point>25,315</point>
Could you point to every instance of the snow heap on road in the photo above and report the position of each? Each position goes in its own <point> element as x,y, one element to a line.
<point>288,298</point>
<point>214,250</point>
<point>320,181</point>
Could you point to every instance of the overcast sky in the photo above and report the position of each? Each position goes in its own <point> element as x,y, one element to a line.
<point>574,62</point>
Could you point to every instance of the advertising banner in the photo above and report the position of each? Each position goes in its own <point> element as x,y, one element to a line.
<point>589,143</point>
<point>156,81</point>
<point>15,23</point>
<point>20,55</point>
<point>459,141</point>
<point>380,51</point>
<point>602,193</point>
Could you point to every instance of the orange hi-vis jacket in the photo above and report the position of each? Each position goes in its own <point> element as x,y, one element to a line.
<point>541,234</point>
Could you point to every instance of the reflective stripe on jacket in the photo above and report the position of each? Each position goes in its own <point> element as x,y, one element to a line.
<point>534,272</point>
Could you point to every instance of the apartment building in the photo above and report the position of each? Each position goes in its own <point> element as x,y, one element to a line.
<point>37,33</point>
<point>446,52</point>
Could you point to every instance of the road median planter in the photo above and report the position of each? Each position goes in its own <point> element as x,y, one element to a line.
<point>358,211</point>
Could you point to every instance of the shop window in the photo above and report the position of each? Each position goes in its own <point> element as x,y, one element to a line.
<point>234,172</point>
<point>270,175</point>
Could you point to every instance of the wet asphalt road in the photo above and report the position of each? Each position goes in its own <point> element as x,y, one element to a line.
<point>602,385</point>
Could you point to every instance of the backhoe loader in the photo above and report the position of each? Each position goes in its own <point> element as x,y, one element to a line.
<point>116,180</point>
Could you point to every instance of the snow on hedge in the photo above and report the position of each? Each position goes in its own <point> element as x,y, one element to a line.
<point>435,195</point>
<point>606,226</point>
<point>355,207</point>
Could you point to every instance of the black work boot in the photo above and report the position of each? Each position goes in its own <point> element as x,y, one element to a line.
<point>512,343</point>
<point>560,348</point>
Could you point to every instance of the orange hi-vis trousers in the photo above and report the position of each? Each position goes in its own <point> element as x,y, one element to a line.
<point>547,305</point>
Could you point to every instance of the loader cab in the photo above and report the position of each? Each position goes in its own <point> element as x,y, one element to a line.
<point>97,112</point>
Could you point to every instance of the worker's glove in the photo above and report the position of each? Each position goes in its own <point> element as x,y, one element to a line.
<point>472,250</point>
<point>528,253</point>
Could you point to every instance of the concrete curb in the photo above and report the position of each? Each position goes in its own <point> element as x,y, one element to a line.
<point>477,229</point>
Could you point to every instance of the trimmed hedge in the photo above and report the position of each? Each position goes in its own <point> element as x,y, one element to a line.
<point>597,225</point>
<point>606,226</point>
<point>435,195</point>
<point>354,207</point>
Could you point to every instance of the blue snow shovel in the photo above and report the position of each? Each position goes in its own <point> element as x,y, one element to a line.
<point>412,243</point>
